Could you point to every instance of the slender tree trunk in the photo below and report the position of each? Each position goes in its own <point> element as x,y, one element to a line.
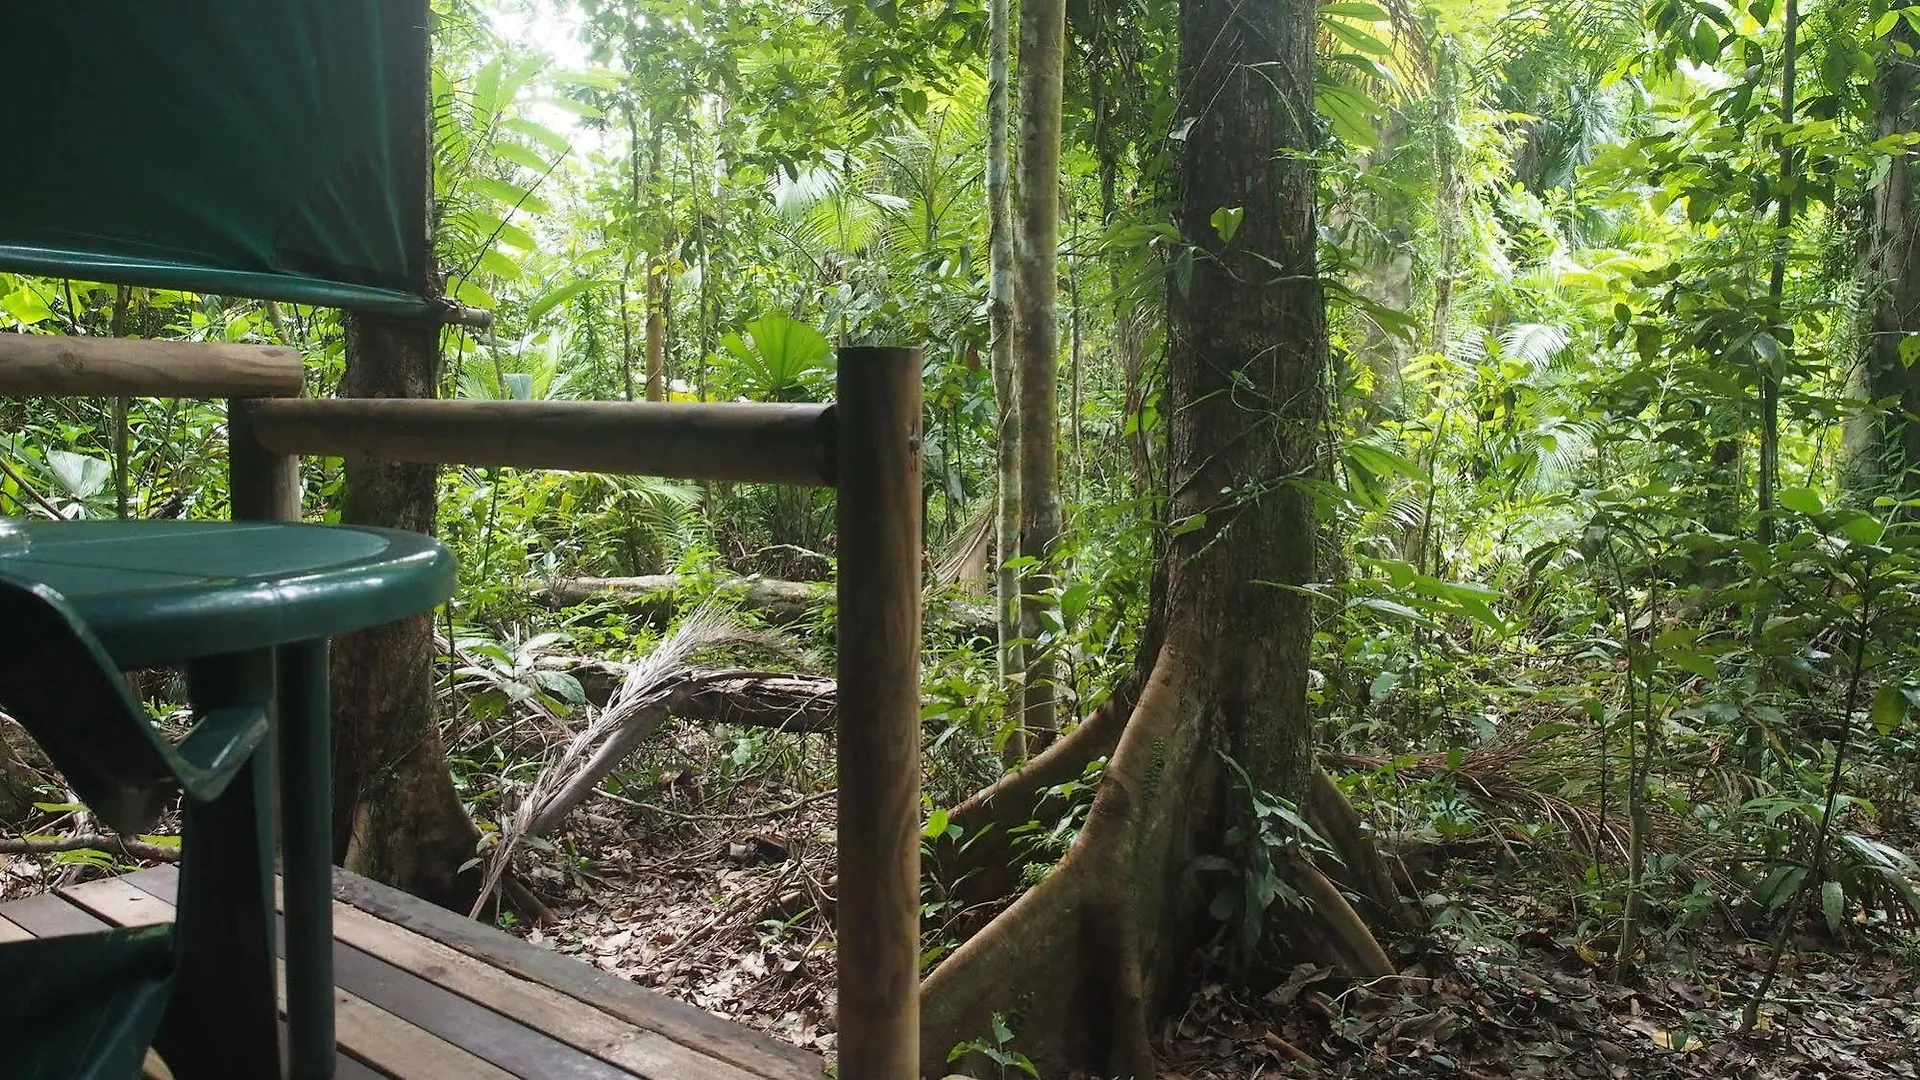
<point>1005,385</point>
<point>1884,449</point>
<point>1085,959</point>
<point>1043,32</point>
<point>397,818</point>
<point>1126,321</point>
<point>122,408</point>
<point>656,337</point>
<point>626,336</point>
<point>1772,369</point>
<point>1448,195</point>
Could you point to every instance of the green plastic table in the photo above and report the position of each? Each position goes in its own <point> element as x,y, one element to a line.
<point>247,608</point>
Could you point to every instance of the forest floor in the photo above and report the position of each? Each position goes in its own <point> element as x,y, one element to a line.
<point>721,912</point>
<point>719,906</point>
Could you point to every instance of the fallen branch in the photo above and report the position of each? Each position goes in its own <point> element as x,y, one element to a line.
<point>137,849</point>
<point>655,598</point>
<point>771,811</point>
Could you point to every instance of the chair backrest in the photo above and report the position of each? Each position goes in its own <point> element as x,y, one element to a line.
<point>57,681</point>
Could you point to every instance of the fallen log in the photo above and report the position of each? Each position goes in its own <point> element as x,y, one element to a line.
<point>655,599</point>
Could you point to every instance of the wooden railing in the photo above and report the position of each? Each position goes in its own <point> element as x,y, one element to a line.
<point>866,444</point>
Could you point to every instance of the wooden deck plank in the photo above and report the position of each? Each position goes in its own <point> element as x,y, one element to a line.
<point>758,1054</point>
<point>507,1043</point>
<point>427,994</point>
<point>75,919</point>
<point>13,931</point>
<point>48,915</point>
<point>369,1035</point>
<point>581,1027</point>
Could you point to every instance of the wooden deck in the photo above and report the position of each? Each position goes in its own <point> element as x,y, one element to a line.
<point>423,994</point>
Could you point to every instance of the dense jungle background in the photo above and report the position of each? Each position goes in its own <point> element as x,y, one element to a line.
<point>1420,511</point>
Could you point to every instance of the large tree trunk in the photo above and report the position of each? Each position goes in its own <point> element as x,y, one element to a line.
<point>397,818</point>
<point>1885,448</point>
<point>1084,960</point>
<point>1005,384</point>
<point>1043,33</point>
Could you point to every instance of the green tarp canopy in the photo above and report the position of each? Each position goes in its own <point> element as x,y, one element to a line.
<point>266,148</point>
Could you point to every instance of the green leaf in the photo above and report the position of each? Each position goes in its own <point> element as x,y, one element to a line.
<point>539,133</point>
<point>1889,708</point>
<point>1698,663</point>
<point>471,294</point>
<point>1226,221</point>
<point>1190,523</point>
<point>1801,500</point>
<point>936,823</point>
<point>519,155</point>
<point>1863,528</point>
<point>497,263</point>
<point>559,296</point>
<point>515,236</point>
<point>595,78</point>
<point>1359,39</point>
<point>26,306</point>
<point>1833,904</point>
<point>1351,113</point>
<point>1382,685</point>
<point>511,195</point>
<point>1353,10</point>
<point>1381,461</point>
<point>578,107</point>
<point>785,354</point>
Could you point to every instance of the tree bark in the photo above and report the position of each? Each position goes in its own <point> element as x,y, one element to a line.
<point>1772,369</point>
<point>1012,660</point>
<point>1043,31</point>
<point>1084,960</point>
<point>656,336</point>
<point>397,818</point>
<point>1884,447</point>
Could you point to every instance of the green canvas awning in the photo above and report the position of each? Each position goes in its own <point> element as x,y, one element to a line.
<point>265,148</point>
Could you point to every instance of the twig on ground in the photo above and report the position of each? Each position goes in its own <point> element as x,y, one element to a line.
<point>746,900</point>
<point>137,849</point>
<point>1292,1051</point>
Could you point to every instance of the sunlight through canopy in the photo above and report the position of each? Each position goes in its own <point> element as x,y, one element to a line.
<point>263,148</point>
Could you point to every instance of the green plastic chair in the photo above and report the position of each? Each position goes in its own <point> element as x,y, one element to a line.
<point>89,1005</point>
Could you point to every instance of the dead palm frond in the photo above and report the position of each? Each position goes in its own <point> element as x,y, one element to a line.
<point>638,707</point>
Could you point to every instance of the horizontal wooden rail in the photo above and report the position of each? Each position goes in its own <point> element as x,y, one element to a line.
<point>36,365</point>
<point>772,444</point>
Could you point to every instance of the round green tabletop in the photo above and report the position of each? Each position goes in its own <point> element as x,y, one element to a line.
<point>157,593</point>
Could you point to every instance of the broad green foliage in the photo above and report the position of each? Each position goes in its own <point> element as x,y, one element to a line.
<point>1547,234</point>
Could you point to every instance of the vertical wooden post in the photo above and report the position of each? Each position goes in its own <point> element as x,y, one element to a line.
<point>877,420</point>
<point>262,486</point>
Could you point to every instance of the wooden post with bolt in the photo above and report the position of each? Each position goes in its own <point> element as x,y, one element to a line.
<point>878,520</point>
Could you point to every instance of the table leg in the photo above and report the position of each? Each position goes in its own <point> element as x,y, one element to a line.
<point>306,851</point>
<point>220,1021</point>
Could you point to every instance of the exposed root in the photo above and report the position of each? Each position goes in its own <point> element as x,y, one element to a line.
<point>984,861</point>
<point>1067,961</point>
<point>1361,869</point>
<point>1332,932</point>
